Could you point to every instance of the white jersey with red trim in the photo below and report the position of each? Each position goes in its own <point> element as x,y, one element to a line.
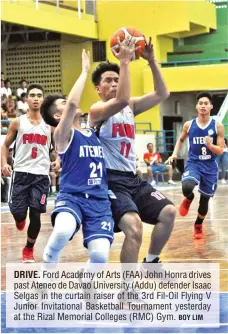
<point>117,135</point>
<point>32,146</point>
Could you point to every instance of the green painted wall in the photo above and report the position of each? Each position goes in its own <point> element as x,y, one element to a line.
<point>225,122</point>
<point>213,45</point>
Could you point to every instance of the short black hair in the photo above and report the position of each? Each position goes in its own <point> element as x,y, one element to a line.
<point>35,85</point>
<point>22,80</point>
<point>48,109</point>
<point>23,95</point>
<point>149,144</point>
<point>204,94</point>
<point>101,68</point>
<point>7,80</point>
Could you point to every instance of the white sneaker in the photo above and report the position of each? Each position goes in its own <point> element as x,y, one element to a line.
<point>223,181</point>
<point>171,182</point>
<point>153,183</point>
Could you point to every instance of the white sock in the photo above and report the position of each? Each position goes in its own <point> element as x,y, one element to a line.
<point>151,257</point>
<point>53,189</point>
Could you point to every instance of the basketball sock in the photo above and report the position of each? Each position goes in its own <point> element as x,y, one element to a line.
<point>199,220</point>
<point>65,226</point>
<point>53,189</point>
<point>30,244</point>
<point>190,197</point>
<point>151,257</point>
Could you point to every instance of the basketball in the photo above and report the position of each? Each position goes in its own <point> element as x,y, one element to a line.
<point>132,33</point>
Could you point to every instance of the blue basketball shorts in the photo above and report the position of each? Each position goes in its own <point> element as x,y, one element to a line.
<point>205,176</point>
<point>93,214</point>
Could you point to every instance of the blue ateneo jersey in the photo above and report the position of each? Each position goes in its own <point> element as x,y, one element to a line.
<point>83,166</point>
<point>198,151</point>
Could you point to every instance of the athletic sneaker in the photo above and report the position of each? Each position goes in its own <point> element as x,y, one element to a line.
<point>198,231</point>
<point>184,207</point>
<point>171,182</point>
<point>158,272</point>
<point>20,225</point>
<point>27,255</point>
<point>153,183</point>
<point>223,181</point>
<point>145,266</point>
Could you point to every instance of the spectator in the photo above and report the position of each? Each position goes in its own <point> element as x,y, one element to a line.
<point>11,107</point>
<point>154,163</point>
<point>22,89</point>
<point>222,161</point>
<point>4,114</point>
<point>22,105</point>
<point>7,90</point>
<point>2,76</point>
<point>3,90</point>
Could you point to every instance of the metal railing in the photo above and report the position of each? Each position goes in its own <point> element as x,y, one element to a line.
<point>187,62</point>
<point>62,4</point>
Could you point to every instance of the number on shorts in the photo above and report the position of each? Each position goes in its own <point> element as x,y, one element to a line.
<point>34,153</point>
<point>204,150</point>
<point>158,195</point>
<point>95,168</point>
<point>106,226</point>
<point>125,149</point>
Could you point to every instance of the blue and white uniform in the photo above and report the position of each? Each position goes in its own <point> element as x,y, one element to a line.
<point>201,165</point>
<point>83,186</point>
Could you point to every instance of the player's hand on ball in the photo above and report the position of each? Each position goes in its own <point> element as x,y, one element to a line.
<point>207,140</point>
<point>170,160</point>
<point>148,52</point>
<point>6,170</point>
<point>85,61</point>
<point>126,49</point>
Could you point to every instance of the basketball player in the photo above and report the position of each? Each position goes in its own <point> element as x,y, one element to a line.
<point>132,200</point>
<point>83,191</point>
<point>30,180</point>
<point>206,141</point>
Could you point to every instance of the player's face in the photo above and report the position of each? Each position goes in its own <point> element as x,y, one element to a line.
<point>150,148</point>
<point>204,106</point>
<point>108,85</point>
<point>35,98</point>
<point>60,105</point>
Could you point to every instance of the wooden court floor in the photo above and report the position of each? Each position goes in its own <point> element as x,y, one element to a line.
<point>181,246</point>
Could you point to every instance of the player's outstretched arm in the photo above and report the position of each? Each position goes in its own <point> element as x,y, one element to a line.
<point>102,110</point>
<point>148,101</point>
<point>63,130</point>
<point>179,143</point>
<point>10,138</point>
<point>217,149</point>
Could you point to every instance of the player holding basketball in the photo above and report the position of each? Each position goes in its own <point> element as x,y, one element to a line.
<point>206,140</point>
<point>132,200</point>
<point>30,177</point>
<point>83,191</point>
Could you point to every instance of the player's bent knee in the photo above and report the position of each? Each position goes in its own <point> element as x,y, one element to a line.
<point>19,217</point>
<point>131,225</point>
<point>187,187</point>
<point>168,214</point>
